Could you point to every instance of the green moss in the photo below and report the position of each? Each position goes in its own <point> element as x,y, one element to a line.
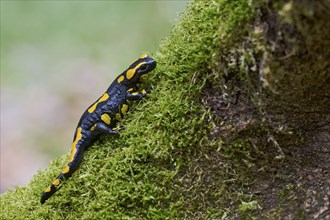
<point>136,176</point>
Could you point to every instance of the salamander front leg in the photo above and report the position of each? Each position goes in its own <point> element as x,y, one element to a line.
<point>119,127</point>
<point>136,95</point>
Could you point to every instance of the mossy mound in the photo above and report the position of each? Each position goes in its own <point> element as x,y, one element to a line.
<point>215,137</point>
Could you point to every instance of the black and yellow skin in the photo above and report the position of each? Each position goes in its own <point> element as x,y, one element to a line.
<point>104,116</point>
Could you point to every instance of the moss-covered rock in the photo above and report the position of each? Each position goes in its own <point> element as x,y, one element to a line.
<point>238,109</point>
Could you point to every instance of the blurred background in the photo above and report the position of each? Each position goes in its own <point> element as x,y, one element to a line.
<point>57,57</point>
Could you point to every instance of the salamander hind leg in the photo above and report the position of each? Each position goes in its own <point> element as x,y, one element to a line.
<point>105,129</point>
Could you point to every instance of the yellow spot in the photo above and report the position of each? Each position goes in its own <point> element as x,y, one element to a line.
<point>130,90</point>
<point>135,93</point>
<point>56,182</point>
<point>143,91</point>
<point>106,119</point>
<point>74,144</point>
<point>130,73</point>
<point>121,78</point>
<point>66,169</point>
<point>143,56</point>
<point>124,109</point>
<point>48,189</point>
<point>118,116</point>
<point>104,97</point>
<point>92,128</point>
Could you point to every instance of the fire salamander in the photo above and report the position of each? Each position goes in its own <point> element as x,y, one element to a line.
<point>104,116</point>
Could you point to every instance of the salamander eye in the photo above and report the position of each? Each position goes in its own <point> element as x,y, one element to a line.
<point>143,67</point>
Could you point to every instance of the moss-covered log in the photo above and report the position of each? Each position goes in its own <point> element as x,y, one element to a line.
<point>237,125</point>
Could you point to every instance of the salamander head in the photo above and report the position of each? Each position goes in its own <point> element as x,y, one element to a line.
<point>138,69</point>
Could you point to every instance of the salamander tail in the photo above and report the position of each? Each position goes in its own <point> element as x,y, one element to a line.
<point>54,186</point>
<point>75,159</point>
